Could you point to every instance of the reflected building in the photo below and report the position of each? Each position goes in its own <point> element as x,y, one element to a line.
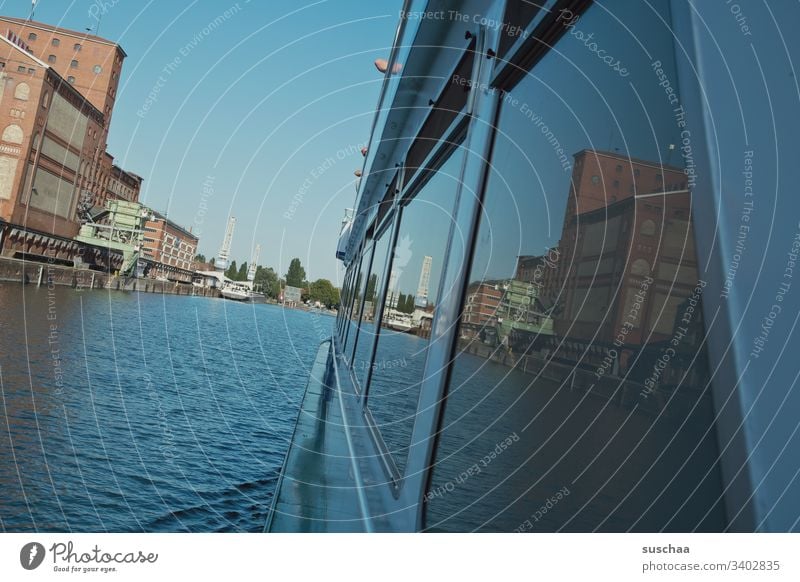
<point>424,282</point>
<point>629,260</point>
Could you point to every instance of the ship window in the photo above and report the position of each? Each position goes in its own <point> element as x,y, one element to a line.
<point>372,295</point>
<point>517,17</point>
<point>581,397</point>
<point>447,108</point>
<point>356,302</point>
<point>344,303</point>
<point>415,267</point>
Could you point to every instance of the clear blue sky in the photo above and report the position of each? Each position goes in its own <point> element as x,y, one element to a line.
<point>254,104</point>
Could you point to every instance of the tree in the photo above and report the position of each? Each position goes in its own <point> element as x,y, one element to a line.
<point>297,274</point>
<point>212,262</point>
<point>266,281</point>
<point>372,283</point>
<point>322,290</point>
<point>200,258</point>
<point>405,303</point>
<point>232,271</point>
<point>241,274</point>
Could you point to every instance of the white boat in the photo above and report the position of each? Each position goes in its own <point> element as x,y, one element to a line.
<point>397,320</point>
<point>241,293</point>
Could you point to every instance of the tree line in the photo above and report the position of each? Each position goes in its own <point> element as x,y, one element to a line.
<point>268,282</point>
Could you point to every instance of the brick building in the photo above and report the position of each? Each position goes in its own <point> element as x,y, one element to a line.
<point>89,63</point>
<point>57,92</point>
<point>50,134</point>
<point>626,220</point>
<point>480,308</point>
<point>170,248</point>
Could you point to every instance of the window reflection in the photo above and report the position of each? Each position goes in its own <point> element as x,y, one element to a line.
<point>579,397</point>
<point>411,299</point>
<point>372,294</point>
<point>355,303</point>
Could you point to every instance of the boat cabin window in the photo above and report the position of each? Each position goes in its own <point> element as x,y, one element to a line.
<point>415,267</point>
<point>580,394</point>
<point>372,296</point>
<point>355,302</point>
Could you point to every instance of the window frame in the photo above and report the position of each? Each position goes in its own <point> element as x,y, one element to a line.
<point>456,135</point>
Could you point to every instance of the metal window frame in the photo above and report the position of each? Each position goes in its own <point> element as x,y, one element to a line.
<point>451,141</point>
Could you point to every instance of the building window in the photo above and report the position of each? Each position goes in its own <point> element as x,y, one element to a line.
<point>71,80</point>
<point>74,64</point>
<point>51,58</point>
<point>97,69</point>
<point>77,47</point>
<point>55,42</point>
<point>32,36</point>
<point>595,180</point>
<point>21,69</point>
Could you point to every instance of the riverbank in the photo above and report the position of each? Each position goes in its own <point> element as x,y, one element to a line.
<point>53,274</point>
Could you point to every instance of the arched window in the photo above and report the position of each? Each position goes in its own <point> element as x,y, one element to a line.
<point>640,267</point>
<point>648,228</point>
<point>13,134</point>
<point>22,91</point>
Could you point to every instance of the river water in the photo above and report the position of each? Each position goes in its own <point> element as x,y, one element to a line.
<point>142,412</point>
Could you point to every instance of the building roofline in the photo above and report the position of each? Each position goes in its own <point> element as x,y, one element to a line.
<point>174,224</point>
<point>35,59</point>
<point>624,158</point>
<point>65,31</point>
<point>62,82</point>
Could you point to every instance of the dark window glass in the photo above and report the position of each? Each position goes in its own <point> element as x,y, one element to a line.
<point>74,64</point>
<point>580,397</point>
<point>55,42</point>
<point>372,294</point>
<point>358,300</point>
<point>77,47</point>
<point>51,58</point>
<point>32,36</point>
<point>518,15</point>
<point>411,299</point>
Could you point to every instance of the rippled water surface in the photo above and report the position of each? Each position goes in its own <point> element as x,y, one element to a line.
<point>142,412</point>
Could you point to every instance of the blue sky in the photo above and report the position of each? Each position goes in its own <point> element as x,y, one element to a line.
<point>267,108</point>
